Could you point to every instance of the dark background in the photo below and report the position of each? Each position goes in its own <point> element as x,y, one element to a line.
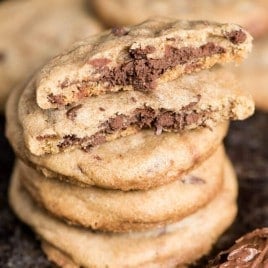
<point>246,144</point>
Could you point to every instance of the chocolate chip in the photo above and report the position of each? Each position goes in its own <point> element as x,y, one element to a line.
<point>101,109</point>
<point>236,37</point>
<point>56,99</point>
<point>72,112</point>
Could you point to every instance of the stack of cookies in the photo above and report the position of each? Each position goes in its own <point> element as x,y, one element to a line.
<point>120,145</point>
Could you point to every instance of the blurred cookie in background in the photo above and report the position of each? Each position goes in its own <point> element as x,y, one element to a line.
<point>32,31</point>
<point>253,73</point>
<point>251,14</point>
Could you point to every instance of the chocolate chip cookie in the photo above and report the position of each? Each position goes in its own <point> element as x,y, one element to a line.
<point>138,58</point>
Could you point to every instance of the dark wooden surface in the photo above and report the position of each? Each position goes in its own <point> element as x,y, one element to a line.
<point>247,145</point>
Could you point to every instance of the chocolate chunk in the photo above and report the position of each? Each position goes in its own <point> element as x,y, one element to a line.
<point>191,179</point>
<point>72,112</point>
<point>236,37</point>
<point>250,250</point>
<point>165,120</point>
<point>116,123</point>
<point>144,117</point>
<point>97,139</point>
<point>141,72</point>
<point>68,141</point>
<point>119,31</point>
<point>56,99</point>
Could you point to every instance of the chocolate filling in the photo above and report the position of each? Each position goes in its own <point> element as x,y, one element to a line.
<point>142,118</point>
<point>141,72</point>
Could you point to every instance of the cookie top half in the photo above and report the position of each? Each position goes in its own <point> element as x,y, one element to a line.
<point>138,58</point>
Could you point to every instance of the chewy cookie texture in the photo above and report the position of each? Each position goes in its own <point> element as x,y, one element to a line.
<point>138,58</point>
<point>120,145</point>
<point>200,100</point>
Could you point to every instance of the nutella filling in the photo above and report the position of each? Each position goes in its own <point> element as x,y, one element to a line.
<point>141,72</point>
<point>142,118</point>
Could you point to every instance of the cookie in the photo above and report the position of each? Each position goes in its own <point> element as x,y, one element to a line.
<point>114,210</point>
<point>139,161</point>
<point>251,250</point>
<point>253,74</point>
<point>138,58</point>
<point>163,247</point>
<point>204,99</point>
<point>251,14</point>
<point>32,31</point>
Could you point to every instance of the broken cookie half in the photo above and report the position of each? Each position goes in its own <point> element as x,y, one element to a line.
<point>138,58</point>
<point>203,99</point>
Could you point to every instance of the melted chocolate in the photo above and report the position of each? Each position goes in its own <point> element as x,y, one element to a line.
<point>250,251</point>
<point>142,118</point>
<point>141,72</point>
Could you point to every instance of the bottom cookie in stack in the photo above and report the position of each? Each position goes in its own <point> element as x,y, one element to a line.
<point>174,244</point>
